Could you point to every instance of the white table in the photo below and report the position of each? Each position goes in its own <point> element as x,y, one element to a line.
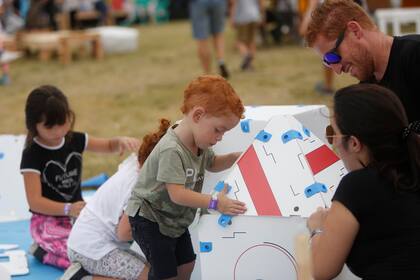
<point>397,16</point>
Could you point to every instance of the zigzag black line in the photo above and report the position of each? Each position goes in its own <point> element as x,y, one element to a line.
<point>269,154</point>
<point>237,187</point>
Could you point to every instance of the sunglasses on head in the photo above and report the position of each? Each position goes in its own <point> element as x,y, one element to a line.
<point>330,134</point>
<point>332,56</point>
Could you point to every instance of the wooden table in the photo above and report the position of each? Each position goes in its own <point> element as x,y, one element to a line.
<point>63,43</point>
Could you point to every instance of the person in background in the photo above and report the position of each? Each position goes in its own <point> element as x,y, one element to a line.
<point>208,20</point>
<point>246,16</point>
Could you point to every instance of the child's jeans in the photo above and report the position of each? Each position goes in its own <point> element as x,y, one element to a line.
<point>51,234</point>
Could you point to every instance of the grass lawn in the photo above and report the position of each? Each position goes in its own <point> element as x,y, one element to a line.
<point>126,94</point>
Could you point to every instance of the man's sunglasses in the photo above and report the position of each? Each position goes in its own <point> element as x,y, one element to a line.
<point>332,56</point>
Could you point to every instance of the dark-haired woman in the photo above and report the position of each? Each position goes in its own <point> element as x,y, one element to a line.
<point>373,224</point>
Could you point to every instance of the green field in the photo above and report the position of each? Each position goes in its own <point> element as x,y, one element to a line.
<point>126,94</point>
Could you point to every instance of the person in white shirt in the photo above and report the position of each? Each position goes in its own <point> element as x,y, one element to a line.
<point>98,243</point>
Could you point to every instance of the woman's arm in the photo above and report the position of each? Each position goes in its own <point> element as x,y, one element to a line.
<point>186,197</point>
<point>124,229</point>
<point>43,205</point>
<point>223,162</point>
<point>113,145</point>
<point>331,247</point>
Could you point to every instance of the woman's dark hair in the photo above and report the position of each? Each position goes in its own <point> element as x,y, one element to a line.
<point>49,105</point>
<point>377,118</point>
<point>151,139</point>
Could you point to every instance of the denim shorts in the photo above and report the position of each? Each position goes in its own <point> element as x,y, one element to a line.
<point>163,253</point>
<point>207,17</point>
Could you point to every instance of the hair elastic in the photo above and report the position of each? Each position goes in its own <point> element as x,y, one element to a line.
<point>412,127</point>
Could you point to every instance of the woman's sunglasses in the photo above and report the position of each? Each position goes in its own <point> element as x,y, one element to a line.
<point>330,134</point>
<point>332,56</point>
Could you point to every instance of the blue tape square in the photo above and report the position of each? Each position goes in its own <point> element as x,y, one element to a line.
<point>263,136</point>
<point>245,125</point>
<point>314,189</point>
<point>291,135</point>
<point>206,247</point>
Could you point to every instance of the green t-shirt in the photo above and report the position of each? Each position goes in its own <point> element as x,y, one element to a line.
<point>173,163</point>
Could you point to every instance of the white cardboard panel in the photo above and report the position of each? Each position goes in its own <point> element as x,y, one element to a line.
<point>251,248</point>
<point>286,169</point>
<point>13,205</point>
<point>313,117</point>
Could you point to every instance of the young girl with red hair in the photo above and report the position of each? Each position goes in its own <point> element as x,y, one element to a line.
<point>165,199</point>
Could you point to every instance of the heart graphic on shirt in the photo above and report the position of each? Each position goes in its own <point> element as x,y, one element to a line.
<point>64,178</point>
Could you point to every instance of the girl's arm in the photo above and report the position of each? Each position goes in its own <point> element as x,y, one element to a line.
<point>186,197</point>
<point>113,145</point>
<point>43,205</point>
<point>124,229</point>
<point>222,162</point>
<point>331,247</point>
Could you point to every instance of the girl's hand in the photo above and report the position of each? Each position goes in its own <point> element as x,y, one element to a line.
<point>316,220</point>
<point>229,206</point>
<point>75,208</point>
<point>127,144</point>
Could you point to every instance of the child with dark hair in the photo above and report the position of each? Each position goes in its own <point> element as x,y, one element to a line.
<point>52,169</point>
<point>165,199</point>
<point>373,224</point>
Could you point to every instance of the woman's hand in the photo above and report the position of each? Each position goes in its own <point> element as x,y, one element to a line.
<point>316,220</point>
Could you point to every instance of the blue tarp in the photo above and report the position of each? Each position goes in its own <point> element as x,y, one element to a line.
<point>18,233</point>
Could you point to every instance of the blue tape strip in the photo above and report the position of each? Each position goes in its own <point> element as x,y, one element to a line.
<point>206,247</point>
<point>1,155</point>
<point>306,131</point>
<point>314,189</point>
<point>225,220</point>
<point>263,136</point>
<point>219,186</point>
<point>291,135</point>
<point>245,126</point>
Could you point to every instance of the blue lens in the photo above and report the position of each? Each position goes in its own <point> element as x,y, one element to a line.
<point>332,58</point>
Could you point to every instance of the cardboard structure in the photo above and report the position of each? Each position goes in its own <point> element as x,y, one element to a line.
<point>314,117</point>
<point>13,205</point>
<point>285,172</point>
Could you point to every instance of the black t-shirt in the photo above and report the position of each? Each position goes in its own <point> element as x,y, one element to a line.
<point>60,168</point>
<point>387,245</point>
<point>402,74</point>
